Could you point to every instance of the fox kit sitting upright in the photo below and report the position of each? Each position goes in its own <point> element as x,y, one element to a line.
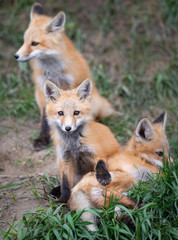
<point>79,141</point>
<point>143,154</point>
<point>54,57</point>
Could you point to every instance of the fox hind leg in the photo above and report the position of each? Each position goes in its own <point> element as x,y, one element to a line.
<point>43,139</point>
<point>102,174</point>
<point>55,192</point>
<point>79,200</point>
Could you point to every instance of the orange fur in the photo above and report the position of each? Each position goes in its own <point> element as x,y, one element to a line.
<point>92,140</point>
<point>141,153</point>
<point>138,155</point>
<point>56,45</point>
<point>120,182</point>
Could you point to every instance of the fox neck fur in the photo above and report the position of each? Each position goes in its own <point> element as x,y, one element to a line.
<point>53,69</point>
<point>72,149</point>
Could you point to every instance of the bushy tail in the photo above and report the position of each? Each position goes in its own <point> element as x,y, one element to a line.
<point>101,107</point>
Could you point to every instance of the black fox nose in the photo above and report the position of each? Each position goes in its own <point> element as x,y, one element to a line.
<point>16,56</point>
<point>68,128</point>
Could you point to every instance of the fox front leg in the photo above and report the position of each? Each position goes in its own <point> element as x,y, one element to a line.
<point>67,181</point>
<point>43,139</point>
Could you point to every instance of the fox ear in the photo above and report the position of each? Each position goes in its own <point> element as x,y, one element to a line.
<point>51,91</point>
<point>84,90</point>
<point>58,22</point>
<point>162,119</point>
<point>144,130</point>
<point>36,10</point>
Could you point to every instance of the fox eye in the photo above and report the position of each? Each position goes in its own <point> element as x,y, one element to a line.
<point>76,112</point>
<point>34,43</point>
<point>159,154</point>
<point>61,113</point>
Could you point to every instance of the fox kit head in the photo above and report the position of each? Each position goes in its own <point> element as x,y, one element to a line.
<point>68,110</point>
<point>39,39</point>
<point>150,140</point>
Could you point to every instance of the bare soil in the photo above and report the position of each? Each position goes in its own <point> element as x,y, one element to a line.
<point>19,162</point>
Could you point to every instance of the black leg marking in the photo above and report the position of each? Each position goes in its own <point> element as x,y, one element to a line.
<point>127,220</point>
<point>55,192</point>
<point>65,190</point>
<point>102,174</point>
<point>44,137</point>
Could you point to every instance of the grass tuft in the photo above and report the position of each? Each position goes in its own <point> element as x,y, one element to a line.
<point>17,96</point>
<point>157,219</point>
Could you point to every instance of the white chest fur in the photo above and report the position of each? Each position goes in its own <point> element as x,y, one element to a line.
<point>53,68</point>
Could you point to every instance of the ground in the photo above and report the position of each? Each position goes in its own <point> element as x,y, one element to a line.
<point>132,51</point>
<point>21,164</point>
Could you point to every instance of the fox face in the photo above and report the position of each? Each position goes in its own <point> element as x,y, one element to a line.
<point>39,40</point>
<point>68,110</point>
<point>151,141</point>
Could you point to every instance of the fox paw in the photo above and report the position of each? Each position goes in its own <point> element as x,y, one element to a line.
<point>55,192</point>
<point>41,143</point>
<point>102,175</point>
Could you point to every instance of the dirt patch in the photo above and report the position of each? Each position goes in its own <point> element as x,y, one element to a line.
<point>19,163</point>
<point>17,155</point>
<point>15,202</point>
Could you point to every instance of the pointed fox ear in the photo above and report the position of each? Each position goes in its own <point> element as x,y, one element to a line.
<point>58,22</point>
<point>36,10</point>
<point>51,91</point>
<point>162,119</point>
<point>144,130</point>
<point>84,90</point>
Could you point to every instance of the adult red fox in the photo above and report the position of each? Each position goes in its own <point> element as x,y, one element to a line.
<point>141,156</point>
<point>79,141</point>
<point>53,57</point>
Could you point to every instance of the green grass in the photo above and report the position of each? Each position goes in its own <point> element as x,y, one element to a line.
<point>17,95</point>
<point>141,81</point>
<point>169,12</point>
<point>157,219</point>
<point>136,95</point>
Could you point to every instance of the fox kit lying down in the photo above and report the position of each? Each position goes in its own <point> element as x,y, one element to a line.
<point>142,154</point>
<point>79,141</point>
<point>53,57</point>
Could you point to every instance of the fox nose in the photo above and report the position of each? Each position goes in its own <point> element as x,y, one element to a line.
<point>68,128</point>
<point>16,56</point>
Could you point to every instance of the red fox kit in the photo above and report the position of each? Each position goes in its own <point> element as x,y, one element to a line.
<point>142,154</point>
<point>53,57</point>
<point>146,148</point>
<point>79,141</point>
